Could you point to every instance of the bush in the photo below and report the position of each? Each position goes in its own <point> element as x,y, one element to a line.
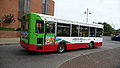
<point>106,34</point>
<point>6,28</point>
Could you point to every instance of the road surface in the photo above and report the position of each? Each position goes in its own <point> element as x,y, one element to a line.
<point>14,56</point>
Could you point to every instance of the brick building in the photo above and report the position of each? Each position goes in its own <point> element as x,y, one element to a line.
<point>12,10</point>
<point>37,6</point>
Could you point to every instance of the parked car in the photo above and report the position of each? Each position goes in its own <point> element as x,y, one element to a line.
<point>117,38</point>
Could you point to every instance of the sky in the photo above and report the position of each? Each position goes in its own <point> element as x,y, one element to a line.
<point>101,10</point>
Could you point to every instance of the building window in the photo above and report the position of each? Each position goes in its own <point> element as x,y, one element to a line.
<point>24,7</point>
<point>27,6</point>
<point>45,6</point>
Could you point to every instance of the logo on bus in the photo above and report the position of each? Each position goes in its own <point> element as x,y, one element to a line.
<point>80,39</point>
<point>49,40</point>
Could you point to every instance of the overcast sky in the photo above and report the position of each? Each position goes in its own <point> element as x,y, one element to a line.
<point>101,10</point>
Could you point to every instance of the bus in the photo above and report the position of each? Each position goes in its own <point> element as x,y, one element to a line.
<point>44,33</point>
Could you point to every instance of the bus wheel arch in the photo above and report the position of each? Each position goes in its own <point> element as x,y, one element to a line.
<point>61,47</point>
<point>91,44</point>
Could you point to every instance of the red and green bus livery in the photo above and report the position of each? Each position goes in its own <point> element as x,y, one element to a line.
<point>45,33</point>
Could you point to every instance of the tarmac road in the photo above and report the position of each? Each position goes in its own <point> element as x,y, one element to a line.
<point>14,56</point>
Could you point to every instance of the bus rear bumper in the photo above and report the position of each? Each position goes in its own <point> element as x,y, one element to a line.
<point>39,48</point>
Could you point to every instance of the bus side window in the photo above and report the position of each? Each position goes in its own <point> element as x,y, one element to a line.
<point>74,30</point>
<point>39,26</point>
<point>92,32</point>
<point>84,31</point>
<point>50,27</point>
<point>99,32</point>
<point>63,30</point>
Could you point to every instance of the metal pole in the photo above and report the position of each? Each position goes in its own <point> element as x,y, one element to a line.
<point>87,16</point>
<point>87,13</point>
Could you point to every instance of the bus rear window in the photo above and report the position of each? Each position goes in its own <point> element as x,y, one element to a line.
<point>39,26</point>
<point>24,26</point>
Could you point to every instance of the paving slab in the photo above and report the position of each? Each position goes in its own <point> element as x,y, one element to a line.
<point>9,41</point>
<point>104,59</point>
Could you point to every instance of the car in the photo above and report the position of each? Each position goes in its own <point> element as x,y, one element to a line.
<point>116,38</point>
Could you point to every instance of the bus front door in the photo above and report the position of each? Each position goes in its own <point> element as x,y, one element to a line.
<point>50,33</point>
<point>40,33</point>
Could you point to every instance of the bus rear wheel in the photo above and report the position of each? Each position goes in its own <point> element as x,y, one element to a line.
<point>91,45</point>
<point>61,48</point>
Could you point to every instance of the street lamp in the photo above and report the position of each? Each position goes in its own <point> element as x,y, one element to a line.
<point>87,13</point>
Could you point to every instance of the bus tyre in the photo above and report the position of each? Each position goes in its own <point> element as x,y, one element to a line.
<point>61,48</point>
<point>91,45</point>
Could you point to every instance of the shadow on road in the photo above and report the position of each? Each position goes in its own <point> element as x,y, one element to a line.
<point>27,52</point>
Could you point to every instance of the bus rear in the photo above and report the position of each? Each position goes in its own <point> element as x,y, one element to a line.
<point>37,34</point>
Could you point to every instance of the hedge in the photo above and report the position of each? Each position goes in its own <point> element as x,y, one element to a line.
<point>7,28</point>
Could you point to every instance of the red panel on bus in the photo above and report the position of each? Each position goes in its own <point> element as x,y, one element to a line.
<point>77,45</point>
<point>53,47</point>
<point>96,44</point>
<point>46,48</point>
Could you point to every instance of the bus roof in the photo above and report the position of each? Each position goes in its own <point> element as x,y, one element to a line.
<point>68,21</point>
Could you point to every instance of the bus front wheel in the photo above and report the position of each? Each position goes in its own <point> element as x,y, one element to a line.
<point>61,47</point>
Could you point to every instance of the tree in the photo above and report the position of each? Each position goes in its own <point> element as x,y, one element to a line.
<point>108,30</point>
<point>118,32</point>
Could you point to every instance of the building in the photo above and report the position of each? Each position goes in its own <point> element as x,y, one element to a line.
<point>37,6</point>
<point>12,10</point>
<point>16,8</point>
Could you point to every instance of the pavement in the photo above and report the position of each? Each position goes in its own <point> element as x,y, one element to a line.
<point>9,41</point>
<point>103,59</point>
